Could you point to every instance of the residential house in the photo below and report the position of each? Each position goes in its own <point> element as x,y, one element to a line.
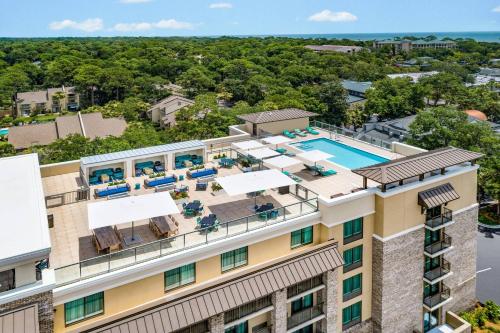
<point>356,90</point>
<point>408,45</point>
<point>163,112</point>
<point>50,100</point>
<point>349,49</point>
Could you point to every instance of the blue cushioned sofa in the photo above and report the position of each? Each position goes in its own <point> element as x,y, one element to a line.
<point>201,173</point>
<point>110,190</point>
<point>152,182</point>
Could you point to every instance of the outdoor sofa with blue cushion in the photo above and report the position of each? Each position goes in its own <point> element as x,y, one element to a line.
<point>110,190</point>
<point>95,178</point>
<point>201,173</point>
<point>152,182</point>
<point>194,159</point>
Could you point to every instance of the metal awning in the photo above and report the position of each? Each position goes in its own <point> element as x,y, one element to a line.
<point>130,209</point>
<point>255,181</point>
<point>437,196</point>
<point>199,306</point>
<point>247,145</point>
<point>263,153</point>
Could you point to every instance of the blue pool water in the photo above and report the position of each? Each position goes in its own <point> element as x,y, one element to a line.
<point>4,131</point>
<point>344,155</point>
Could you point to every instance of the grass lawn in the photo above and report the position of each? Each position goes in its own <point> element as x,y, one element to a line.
<point>489,327</point>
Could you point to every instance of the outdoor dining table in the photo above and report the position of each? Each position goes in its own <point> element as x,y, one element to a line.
<point>193,206</point>
<point>264,208</point>
<point>163,225</point>
<point>106,239</point>
<point>208,221</point>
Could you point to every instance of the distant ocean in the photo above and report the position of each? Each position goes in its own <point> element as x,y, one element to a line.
<point>480,36</point>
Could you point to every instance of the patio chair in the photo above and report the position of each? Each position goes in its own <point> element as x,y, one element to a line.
<point>201,186</point>
<point>281,150</point>
<point>288,134</point>
<point>189,212</point>
<point>326,173</point>
<point>198,222</point>
<point>299,132</point>
<point>311,130</point>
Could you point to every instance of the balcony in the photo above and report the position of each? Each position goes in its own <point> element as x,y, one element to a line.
<point>439,247</point>
<point>436,274</point>
<point>437,300</point>
<point>435,222</point>
<point>306,315</point>
<point>304,286</point>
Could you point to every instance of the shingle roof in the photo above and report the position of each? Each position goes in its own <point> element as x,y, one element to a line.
<point>97,126</point>
<point>276,115</point>
<point>437,196</point>
<point>411,166</point>
<point>358,86</point>
<point>30,135</point>
<point>212,301</point>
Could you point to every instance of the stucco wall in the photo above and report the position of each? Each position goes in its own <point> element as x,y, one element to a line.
<point>278,127</point>
<point>62,168</point>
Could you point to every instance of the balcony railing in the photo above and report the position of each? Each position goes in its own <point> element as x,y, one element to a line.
<point>305,315</point>
<point>436,273</point>
<point>439,245</point>
<point>167,246</point>
<point>304,286</point>
<point>438,298</point>
<point>436,221</point>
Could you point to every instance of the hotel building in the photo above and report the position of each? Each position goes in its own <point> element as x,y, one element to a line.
<point>385,243</point>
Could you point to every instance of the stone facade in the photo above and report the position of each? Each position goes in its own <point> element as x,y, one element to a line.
<point>279,314</point>
<point>462,258</point>
<point>397,283</point>
<point>216,323</point>
<point>329,296</point>
<point>364,327</point>
<point>45,309</point>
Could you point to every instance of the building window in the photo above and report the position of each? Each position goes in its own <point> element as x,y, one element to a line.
<point>352,287</point>
<point>302,303</point>
<point>353,230</point>
<point>351,315</point>
<point>234,259</point>
<point>353,258</point>
<point>302,237</point>
<point>240,328</point>
<point>7,280</point>
<point>180,276</point>
<point>83,308</point>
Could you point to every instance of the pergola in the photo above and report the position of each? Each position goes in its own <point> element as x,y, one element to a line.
<point>281,162</point>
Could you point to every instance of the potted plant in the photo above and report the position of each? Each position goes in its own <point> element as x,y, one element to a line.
<point>216,188</point>
<point>179,197</point>
<point>246,166</point>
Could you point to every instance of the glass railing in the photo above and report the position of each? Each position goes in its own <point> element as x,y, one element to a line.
<point>436,221</point>
<point>436,273</point>
<point>304,315</point>
<point>438,246</point>
<point>438,298</point>
<point>106,263</point>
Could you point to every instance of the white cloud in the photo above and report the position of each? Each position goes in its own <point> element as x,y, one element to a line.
<point>88,25</point>
<point>329,16</point>
<point>163,24</point>
<point>221,5</point>
<point>134,1</point>
<point>496,9</point>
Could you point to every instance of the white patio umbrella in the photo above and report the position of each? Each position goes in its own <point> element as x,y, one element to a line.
<point>281,162</point>
<point>250,182</point>
<point>263,153</point>
<point>314,156</point>
<point>276,140</point>
<point>130,209</point>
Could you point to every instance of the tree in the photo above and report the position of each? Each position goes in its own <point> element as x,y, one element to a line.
<point>116,82</point>
<point>394,98</point>
<point>6,150</point>
<point>441,86</point>
<point>355,116</point>
<point>88,79</point>
<point>57,97</point>
<point>196,81</point>
<point>335,97</point>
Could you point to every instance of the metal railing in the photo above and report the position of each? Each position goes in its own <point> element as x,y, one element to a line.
<point>351,134</point>
<point>248,308</point>
<point>304,315</point>
<point>66,198</point>
<point>436,273</point>
<point>436,221</point>
<point>113,261</point>
<point>438,298</point>
<point>304,286</point>
<point>440,245</point>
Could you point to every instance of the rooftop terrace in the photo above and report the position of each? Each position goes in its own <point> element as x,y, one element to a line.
<point>74,254</point>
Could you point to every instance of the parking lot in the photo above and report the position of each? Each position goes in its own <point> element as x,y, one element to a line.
<point>488,266</point>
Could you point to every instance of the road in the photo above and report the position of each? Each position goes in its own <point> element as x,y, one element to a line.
<point>488,267</point>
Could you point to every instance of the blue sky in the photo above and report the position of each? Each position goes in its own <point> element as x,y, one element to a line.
<point>43,18</point>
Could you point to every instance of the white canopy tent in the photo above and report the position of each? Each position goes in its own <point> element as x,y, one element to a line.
<point>263,153</point>
<point>130,209</point>
<point>249,182</point>
<point>281,162</point>
<point>314,156</point>
<point>247,145</point>
<point>276,140</point>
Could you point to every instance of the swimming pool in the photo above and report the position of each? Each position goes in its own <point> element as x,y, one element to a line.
<point>344,155</point>
<point>4,131</point>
